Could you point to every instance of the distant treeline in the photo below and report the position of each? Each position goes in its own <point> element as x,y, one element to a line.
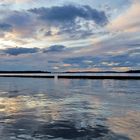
<point>133,71</point>
<point>24,72</point>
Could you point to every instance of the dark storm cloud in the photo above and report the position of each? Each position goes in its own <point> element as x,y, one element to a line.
<point>5,27</point>
<point>54,48</point>
<point>68,14</point>
<point>19,50</point>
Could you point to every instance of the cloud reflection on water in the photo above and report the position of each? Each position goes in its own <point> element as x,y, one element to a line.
<point>68,109</point>
<point>129,124</point>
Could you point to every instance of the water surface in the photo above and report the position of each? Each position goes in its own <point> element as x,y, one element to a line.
<point>69,109</point>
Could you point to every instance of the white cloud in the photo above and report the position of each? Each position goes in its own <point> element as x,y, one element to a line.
<point>128,21</point>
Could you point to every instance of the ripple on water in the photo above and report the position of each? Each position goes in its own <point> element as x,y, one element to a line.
<point>59,129</point>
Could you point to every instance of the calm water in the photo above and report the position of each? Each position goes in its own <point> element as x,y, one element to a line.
<point>69,109</point>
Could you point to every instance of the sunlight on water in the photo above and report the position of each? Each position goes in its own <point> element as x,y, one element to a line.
<point>43,109</point>
<point>128,124</point>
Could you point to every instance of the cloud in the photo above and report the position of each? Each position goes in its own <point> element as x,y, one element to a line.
<point>22,22</point>
<point>23,50</point>
<point>71,21</point>
<point>82,61</point>
<point>128,21</point>
<point>48,33</point>
<point>58,22</point>
<point>93,39</point>
<point>65,59</point>
<point>54,48</point>
<point>19,19</point>
<point>69,13</point>
<point>15,1</point>
<point>128,58</point>
<point>5,27</point>
<point>19,50</point>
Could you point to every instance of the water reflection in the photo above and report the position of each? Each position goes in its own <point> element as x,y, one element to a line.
<point>9,105</point>
<point>128,124</point>
<point>34,109</point>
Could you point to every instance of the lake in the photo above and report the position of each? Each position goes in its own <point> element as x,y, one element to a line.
<point>69,109</point>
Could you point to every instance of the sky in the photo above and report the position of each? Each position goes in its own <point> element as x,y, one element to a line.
<point>69,35</point>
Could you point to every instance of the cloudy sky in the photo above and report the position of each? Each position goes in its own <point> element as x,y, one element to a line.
<point>69,35</point>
